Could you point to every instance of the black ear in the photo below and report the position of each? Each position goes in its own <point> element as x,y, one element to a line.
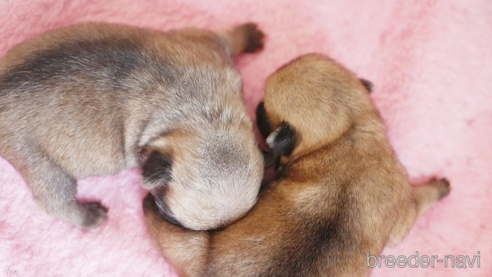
<point>156,169</point>
<point>367,84</point>
<point>283,139</point>
<point>262,120</point>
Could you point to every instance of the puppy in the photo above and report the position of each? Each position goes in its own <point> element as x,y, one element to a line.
<point>341,191</point>
<point>96,98</point>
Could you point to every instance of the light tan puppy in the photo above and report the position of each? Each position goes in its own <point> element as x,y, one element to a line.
<point>341,191</point>
<point>96,98</point>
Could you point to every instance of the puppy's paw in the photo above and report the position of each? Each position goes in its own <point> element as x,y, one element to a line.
<point>254,37</point>
<point>442,186</point>
<point>94,215</point>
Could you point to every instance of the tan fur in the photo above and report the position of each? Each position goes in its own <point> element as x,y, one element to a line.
<point>341,193</point>
<point>96,98</point>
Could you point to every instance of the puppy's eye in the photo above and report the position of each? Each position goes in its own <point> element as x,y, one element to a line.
<point>168,217</point>
<point>166,214</point>
<point>161,207</point>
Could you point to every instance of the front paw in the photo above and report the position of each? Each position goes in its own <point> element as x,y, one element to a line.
<point>254,37</point>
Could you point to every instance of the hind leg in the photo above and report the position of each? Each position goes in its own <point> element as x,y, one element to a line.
<point>426,196</point>
<point>54,190</point>
<point>421,199</point>
<point>244,38</point>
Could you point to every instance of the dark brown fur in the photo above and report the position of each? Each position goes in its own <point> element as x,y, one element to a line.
<point>342,193</point>
<point>97,98</point>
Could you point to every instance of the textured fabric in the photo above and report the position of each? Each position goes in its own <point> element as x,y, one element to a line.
<point>430,62</point>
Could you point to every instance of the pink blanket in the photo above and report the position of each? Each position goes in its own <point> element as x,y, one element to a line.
<point>430,62</point>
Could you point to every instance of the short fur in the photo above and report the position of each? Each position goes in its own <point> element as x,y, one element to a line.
<point>97,98</point>
<point>341,192</point>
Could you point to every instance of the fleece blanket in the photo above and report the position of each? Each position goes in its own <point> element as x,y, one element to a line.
<point>430,62</point>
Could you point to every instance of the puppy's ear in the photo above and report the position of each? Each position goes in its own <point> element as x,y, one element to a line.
<point>283,139</point>
<point>262,120</point>
<point>367,84</point>
<point>156,168</point>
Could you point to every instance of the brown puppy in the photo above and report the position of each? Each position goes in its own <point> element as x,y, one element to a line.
<point>96,98</point>
<point>341,191</point>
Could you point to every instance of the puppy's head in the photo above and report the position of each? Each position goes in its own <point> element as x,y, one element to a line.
<point>203,179</point>
<point>310,102</point>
